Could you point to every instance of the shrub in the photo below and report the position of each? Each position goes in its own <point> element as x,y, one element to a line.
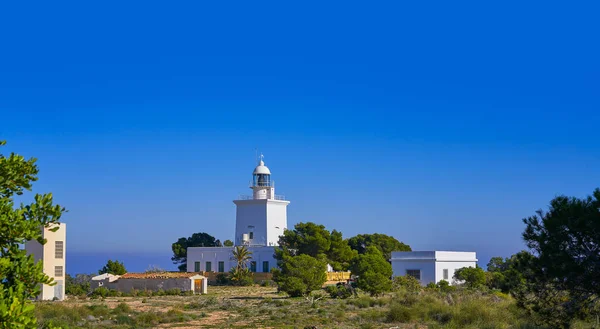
<point>445,286</point>
<point>267,283</point>
<point>339,291</point>
<point>431,286</point>
<point>122,308</point>
<point>147,319</point>
<point>399,313</point>
<point>366,301</point>
<point>406,283</point>
<point>100,292</point>
<point>124,319</point>
<point>222,279</point>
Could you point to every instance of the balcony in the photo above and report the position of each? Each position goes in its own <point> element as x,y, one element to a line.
<point>250,197</point>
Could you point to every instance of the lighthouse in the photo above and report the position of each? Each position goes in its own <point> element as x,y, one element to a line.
<point>262,217</point>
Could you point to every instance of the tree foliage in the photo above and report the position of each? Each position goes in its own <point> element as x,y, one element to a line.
<point>300,275</point>
<point>314,240</point>
<point>228,243</point>
<point>196,240</point>
<point>78,285</point>
<point>113,267</point>
<point>20,276</point>
<point>504,274</point>
<point>385,243</point>
<point>473,277</point>
<point>562,277</point>
<point>373,271</point>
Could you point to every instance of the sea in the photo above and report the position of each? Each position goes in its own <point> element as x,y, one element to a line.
<point>91,262</point>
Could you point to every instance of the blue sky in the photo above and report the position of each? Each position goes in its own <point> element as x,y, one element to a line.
<point>442,124</point>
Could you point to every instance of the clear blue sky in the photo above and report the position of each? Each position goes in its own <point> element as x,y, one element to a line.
<point>440,123</point>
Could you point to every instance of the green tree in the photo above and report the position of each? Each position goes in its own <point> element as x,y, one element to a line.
<point>300,275</point>
<point>566,262</point>
<point>473,277</point>
<point>339,254</point>
<point>78,285</point>
<point>314,240</point>
<point>496,264</point>
<point>503,274</point>
<point>113,267</point>
<point>373,271</point>
<point>306,239</point>
<point>240,275</point>
<point>228,243</point>
<point>385,243</point>
<point>196,240</point>
<point>20,276</point>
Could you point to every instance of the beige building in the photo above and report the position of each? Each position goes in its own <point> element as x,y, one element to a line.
<point>53,256</point>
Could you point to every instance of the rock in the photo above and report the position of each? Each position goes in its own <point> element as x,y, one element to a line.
<point>91,318</point>
<point>106,322</point>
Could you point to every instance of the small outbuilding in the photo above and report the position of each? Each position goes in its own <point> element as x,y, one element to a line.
<point>100,280</point>
<point>431,266</point>
<point>183,281</point>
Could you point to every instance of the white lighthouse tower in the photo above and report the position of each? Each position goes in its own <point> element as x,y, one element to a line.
<point>262,217</point>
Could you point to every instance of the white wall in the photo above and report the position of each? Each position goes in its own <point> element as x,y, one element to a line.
<point>432,263</point>
<point>276,221</point>
<point>451,267</point>
<point>251,213</point>
<point>427,268</point>
<point>269,218</point>
<point>216,254</point>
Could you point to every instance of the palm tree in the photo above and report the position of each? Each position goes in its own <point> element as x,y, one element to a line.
<point>241,255</point>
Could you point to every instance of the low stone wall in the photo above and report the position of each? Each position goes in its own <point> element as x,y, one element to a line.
<point>126,285</point>
<point>262,276</point>
<point>258,276</point>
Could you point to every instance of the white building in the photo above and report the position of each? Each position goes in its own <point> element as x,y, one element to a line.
<point>431,266</point>
<point>52,255</point>
<point>260,219</point>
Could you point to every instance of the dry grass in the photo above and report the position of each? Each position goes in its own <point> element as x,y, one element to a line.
<point>262,307</point>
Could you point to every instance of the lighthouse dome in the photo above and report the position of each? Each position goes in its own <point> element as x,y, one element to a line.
<point>261,169</point>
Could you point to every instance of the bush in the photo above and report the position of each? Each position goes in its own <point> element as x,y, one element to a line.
<point>339,291</point>
<point>100,292</point>
<point>122,308</point>
<point>267,283</point>
<point>399,313</point>
<point>445,286</point>
<point>366,301</point>
<point>223,279</point>
<point>406,283</point>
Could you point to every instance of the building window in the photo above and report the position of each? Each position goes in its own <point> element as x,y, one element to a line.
<point>208,267</point>
<point>446,274</point>
<point>414,273</point>
<point>252,266</point>
<point>251,235</point>
<point>58,249</point>
<point>197,267</point>
<point>58,271</point>
<point>221,267</point>
<point>266,267</point>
